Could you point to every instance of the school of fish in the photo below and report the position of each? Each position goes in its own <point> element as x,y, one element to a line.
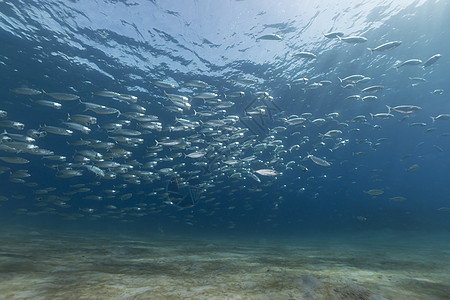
<point>113,141</point>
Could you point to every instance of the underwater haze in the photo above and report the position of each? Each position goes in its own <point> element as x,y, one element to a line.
<point>234,149</point>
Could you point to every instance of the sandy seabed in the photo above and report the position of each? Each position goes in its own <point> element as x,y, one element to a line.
<point>378,265</point>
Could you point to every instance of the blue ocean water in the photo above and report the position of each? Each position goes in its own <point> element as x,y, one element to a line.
<point>384,174</point>
<point>82,47</point>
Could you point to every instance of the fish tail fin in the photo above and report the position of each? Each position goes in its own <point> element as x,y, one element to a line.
<point>68,116</point>
<point>371,115</point>
<point>432,118</point>
<point>339,38</point>
<point>371,50</point>
<point>340,79</point>
<point>389,109</point>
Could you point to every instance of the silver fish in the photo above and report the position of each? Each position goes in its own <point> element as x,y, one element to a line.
<point>431,60</point>
<point>385,47</point>
<point>319,161</point>
<point>353,39</point>
<point>63,96</point>
<point>333,35</point>
<point>267,172</point>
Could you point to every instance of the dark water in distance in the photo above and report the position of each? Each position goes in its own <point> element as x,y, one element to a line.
<point>81,47</point>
